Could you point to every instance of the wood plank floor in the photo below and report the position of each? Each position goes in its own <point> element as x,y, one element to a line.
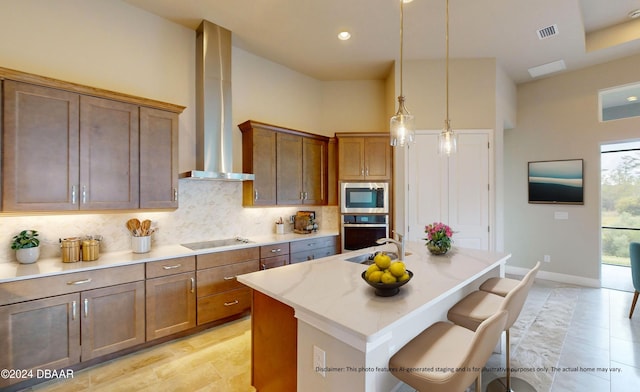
<point>218,359</point>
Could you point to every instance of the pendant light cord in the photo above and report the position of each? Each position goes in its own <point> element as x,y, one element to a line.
<point>446,37</point>
<point>401,42</point>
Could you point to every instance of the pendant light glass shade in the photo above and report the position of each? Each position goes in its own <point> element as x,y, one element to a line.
<point>447,140</point>
<point>401,126</point>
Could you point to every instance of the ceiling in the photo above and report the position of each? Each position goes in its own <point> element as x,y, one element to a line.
<point>302,34</point>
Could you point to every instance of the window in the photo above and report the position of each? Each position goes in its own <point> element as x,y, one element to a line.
<point>620,195</point>
<point>619,102</point>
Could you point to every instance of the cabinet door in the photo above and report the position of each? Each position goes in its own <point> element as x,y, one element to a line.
<point>259,158</point>
<point>109,154</point>
<point>289,169</point>
<point>314,171</point>
<point>40,334</point>
<point>458,192</point>
<point>158,159</point>
<point>112,319</point>
<point>171,304</point>
<point>351,158</point>
<point>377,158</point>
<point>40,148</point>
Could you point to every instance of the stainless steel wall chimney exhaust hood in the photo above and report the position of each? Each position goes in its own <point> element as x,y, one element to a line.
<point>214,144</point>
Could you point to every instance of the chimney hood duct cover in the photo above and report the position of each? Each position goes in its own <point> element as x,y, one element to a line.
<point>214,133</point>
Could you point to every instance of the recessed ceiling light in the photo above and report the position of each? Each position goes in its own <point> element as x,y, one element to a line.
<point>634,14</point>
<point>632,98</point>
<point>344,35</point>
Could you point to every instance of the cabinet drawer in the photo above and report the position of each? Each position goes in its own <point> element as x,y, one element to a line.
<point>313,243</point>
<point>219,306</point>
<point>274,250</point>
<point>272,262</point>
<point>217,259</point>
<point>24,290</point>
<point>219,279</point>
<point>312,254</point>
<point>170,266</point>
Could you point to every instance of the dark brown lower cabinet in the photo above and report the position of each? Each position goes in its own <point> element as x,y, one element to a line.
<point>171,304</point>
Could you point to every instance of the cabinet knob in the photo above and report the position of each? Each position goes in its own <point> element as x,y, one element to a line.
<point>193,285</point>
<point>73,194</point>
<point>74,306</point>
<point>175,194</point>
<point>229,278</point>
<point>86,307</point>
<point>276,250</point>
<point>255,194</point>
<point>231,303</point>
<point>84,194</point>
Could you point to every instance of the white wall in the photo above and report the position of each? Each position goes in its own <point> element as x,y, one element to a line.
<point>558,119</point>
<point>473,104</point>
<point>112,45</point>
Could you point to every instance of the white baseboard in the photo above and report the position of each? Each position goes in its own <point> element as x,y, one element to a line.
<point>555,277</point>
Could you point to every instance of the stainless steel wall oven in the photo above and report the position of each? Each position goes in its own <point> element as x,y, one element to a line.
<point>362,230</point>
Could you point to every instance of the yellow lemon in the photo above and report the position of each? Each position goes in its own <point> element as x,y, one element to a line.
<point>397,269</point>
<point>404,277</point>
<point>372,268</point>
<point>382,260</point>
<point>387,277</point>
<point>375,276</point>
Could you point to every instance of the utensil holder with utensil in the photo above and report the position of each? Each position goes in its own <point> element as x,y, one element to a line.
<point>141,235</point>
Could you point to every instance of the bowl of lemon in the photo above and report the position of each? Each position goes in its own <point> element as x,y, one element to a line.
<point>386,276</point>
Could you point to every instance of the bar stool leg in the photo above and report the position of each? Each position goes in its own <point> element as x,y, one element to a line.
<point>509,384</point>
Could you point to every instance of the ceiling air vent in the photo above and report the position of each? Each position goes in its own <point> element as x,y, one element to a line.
<point>548,32</point>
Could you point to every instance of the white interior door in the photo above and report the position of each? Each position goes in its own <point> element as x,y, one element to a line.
<point>454,190</point>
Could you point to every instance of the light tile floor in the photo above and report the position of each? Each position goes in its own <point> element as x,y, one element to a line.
<point>563,326</point>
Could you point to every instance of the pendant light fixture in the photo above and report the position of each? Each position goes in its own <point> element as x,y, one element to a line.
<point>447,140</point>
<point>401,124</point>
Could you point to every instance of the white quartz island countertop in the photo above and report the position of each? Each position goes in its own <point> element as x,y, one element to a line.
<point>333,289</point>
<point>338,312</point>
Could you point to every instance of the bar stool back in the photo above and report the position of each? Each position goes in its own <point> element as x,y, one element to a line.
<point>477,306</point>
<point>502,286</point>
<point>446,357</point>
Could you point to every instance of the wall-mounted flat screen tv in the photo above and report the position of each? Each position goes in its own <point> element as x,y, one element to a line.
<point>556,182</point>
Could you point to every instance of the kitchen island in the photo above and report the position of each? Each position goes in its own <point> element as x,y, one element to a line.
<point>317,326</point>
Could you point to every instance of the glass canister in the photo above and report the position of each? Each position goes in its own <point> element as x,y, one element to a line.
<point>90,250</point>
<point>70,249</point>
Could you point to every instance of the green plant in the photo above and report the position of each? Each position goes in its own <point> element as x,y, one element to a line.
<point>26,239</point>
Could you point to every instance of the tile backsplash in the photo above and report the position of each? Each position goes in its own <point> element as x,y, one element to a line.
<point>208,210</point>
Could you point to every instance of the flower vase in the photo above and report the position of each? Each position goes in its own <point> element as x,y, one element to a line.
<point>437,250</point>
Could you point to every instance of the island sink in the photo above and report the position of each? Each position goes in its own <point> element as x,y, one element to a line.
<point>367,258</point>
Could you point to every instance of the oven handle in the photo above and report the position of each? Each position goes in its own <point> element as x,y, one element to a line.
<point>364,225</point>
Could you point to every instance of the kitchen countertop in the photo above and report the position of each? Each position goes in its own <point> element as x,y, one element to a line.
<point>330,289</point>
<point>13,271</point>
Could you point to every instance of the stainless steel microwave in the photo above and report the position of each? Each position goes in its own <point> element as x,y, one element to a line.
<point>364,198</point>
